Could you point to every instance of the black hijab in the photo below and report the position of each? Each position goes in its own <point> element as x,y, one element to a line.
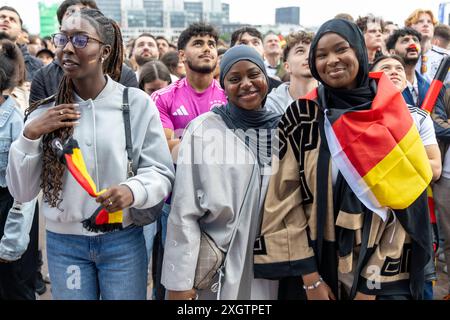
<point>362,95</point>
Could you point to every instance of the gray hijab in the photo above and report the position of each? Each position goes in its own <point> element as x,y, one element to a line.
<point>248,124</point>
<point>234,116</point>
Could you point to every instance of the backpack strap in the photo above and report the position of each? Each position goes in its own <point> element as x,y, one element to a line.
<point>128,140</point>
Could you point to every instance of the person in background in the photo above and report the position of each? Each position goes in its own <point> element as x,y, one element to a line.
<point>145,49</point>
<point>441,37</point>
<point>172,47</point>
<point>431,56</point>
<point>394,67</point>
<point>46,56</point>
<point>35,44</point>
<point>389,28</point>
<point>441,188</point>
<point>175,66</point>
<point>24,37</point>
<point>345,16</point>
<point>372,29</point>
<point>18,221</point>
<point>154,76</point>
<point>163,45</point>
<point>220,52</point>
<point>295,57</point>
<point>11,29</point>
<point>48,43</point>
<point>272,54</point>
<point>252,37</point>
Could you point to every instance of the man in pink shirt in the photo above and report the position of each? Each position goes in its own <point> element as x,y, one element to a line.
<point>196,94</point>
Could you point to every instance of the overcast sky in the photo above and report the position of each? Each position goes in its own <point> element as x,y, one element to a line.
<point>312,12</point>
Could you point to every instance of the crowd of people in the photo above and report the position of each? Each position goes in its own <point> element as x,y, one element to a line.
<point>307,160</point>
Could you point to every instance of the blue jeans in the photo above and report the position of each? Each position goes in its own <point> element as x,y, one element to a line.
<point>149,235</point>
<point>111,266</point>
<point>428,290</point>
<point>164,218</point>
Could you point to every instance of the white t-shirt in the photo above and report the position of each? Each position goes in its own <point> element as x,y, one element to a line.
<point>434,58</point>
<point>424,124</point>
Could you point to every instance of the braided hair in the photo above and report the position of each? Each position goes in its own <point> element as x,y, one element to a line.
<point>53,170</point>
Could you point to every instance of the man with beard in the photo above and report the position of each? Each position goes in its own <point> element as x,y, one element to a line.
<point>406,43</point>
<point>11,29</point>
<point>198,92</point>
<point>145,49</point>
<point>295,56</point>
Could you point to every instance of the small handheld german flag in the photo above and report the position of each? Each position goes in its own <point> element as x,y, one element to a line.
<point>70,155</point>
<point>436,85</point>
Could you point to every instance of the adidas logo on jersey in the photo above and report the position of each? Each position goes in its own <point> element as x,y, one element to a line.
<point>181,111</point>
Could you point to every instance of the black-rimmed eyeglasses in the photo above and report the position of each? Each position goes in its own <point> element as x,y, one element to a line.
<point>79,41</point>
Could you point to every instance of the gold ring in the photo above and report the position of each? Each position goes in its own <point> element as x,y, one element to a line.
<point>61,112</point>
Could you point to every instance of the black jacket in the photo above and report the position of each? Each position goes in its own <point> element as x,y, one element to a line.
<point>32,64</point>
<point>46,80</point>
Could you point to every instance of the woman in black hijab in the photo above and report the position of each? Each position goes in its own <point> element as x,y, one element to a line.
<point>314,227</point>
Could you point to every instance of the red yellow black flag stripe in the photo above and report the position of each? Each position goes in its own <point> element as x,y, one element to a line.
<point>102,220</point>
<point>379,151</point>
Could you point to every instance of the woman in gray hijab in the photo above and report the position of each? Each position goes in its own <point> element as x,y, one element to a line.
<point>222,168</point>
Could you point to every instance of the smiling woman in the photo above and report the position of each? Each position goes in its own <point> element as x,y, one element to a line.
<point>222,169</point>
<point>335,190</point>
<point>87,112</point>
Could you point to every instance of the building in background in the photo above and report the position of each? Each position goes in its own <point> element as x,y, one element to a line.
<point>287,15</point>
<point>193,12</point>
<point>163,17</point>
<point>48,20</point>
<point>444,13</point>
<point>154,9</point>
<point>170,17</point>
<point>112,9</point>
<point>225,13</point>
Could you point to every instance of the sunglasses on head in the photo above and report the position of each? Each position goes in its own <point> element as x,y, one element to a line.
<point>79,41</point>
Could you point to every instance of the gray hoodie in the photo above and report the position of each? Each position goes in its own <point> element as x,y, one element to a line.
<point>101,138</point>
<point>279,99</point>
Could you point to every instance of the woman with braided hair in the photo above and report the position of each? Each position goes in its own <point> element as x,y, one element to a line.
<point>85,262</point>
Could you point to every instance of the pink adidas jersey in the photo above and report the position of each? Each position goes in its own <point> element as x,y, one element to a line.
<point>179,103</point>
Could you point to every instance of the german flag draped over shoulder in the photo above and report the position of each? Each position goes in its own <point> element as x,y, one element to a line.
<point>379,151</point>
<point>70,155</point>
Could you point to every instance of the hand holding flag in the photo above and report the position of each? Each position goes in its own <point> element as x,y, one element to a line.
<point>70,155</point>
